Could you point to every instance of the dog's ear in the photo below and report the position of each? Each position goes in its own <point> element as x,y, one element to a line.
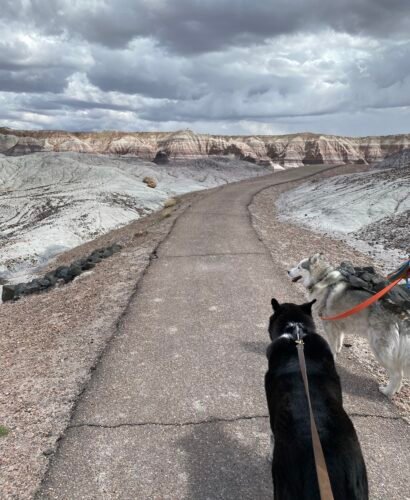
<point>315,258</point>
<point>275,305</point>
<point>307,308</point>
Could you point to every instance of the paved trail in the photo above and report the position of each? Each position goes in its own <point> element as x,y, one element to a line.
<point>176,408</point>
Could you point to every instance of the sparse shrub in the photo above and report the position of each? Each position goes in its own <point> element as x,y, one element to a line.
<point>3,431</point>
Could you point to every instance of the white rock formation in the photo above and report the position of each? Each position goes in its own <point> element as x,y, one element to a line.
<point>363,209</point>
<point>50,202</point>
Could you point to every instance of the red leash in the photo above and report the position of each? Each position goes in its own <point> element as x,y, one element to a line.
<point>364,304</point>
<point>402,273</point>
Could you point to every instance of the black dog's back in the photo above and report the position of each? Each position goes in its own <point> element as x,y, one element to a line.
<point>293,467</point>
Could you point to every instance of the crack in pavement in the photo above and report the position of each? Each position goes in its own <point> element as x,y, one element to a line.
<point>371,415</point>
<point>208,421</point>
<point>171,424</point>
<point>212,255</point>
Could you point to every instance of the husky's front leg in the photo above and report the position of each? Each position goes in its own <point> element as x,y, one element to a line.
<point>394,385</point>
<point>334,336</point>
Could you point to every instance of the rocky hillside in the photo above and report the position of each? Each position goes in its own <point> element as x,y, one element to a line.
<point>396,160</point>
<point>281,150</point>
<point>368,210</point>
<point>51,202</point>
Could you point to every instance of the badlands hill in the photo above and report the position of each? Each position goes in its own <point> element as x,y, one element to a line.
<point>51,202</point>
<point>396,160</point>
<point>281,150</point>
<point>368,210</point>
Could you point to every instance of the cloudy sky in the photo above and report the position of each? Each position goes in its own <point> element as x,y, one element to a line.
<point>215,66</point>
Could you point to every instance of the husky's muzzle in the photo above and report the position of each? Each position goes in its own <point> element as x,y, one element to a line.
<point>295,278</point>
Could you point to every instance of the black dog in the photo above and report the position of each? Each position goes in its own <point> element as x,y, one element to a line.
<point>293,467</point>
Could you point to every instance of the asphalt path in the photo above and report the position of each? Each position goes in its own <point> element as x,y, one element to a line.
<point>176,407</point>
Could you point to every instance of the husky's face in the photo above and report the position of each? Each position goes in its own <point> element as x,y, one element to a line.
<point>305,270</point>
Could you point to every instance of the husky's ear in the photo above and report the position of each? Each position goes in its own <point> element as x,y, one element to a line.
<point>275,305</point>
<point>315,258</point>
<point>307,308</point>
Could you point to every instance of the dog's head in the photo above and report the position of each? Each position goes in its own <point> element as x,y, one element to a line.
<point>286,314</point>
<point>309,270</point>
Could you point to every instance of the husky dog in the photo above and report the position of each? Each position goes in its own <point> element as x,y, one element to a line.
<point>293,467</point>
<point>388,331</point>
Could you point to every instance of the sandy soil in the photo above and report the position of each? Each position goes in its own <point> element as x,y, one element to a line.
<point>295,243</point>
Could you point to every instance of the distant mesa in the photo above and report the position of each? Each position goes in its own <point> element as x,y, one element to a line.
<point>286,151</point>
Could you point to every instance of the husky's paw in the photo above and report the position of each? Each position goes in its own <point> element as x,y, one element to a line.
<point>385,389</point>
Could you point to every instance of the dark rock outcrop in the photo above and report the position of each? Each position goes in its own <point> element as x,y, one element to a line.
<point>63,274</point>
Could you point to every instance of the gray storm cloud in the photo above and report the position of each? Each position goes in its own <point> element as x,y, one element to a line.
<point>234,66</point>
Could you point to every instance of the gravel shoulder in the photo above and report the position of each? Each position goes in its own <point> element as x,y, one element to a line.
<point>288,243</point>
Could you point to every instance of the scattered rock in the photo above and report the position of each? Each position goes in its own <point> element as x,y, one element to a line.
<point>170,202</point>
<point>51,277</point>
<point>63,272</point>
<point>60,276</point>
<point>8,292</point>
<point>89,264</point>
<point>31,287</point>
<point>139,234</point>
<point>116,248</point>
<point>19,290</point>
<point>107,252</point>
<point>75,270</point>
<point>150,182</point>
<point>166,213</point>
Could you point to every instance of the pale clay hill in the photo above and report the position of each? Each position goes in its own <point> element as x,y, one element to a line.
<point>51,202</point>
<point>281,150</point>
